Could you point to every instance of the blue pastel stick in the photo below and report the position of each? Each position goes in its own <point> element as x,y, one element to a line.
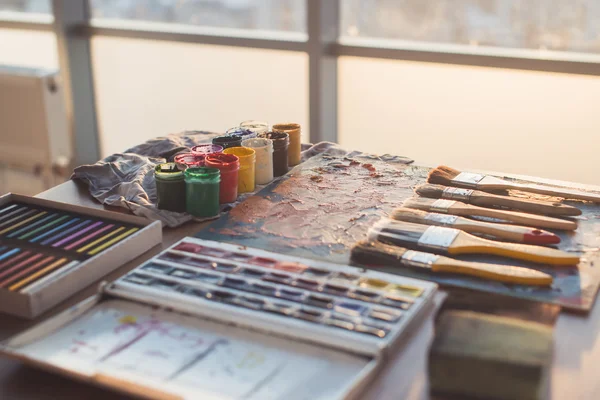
<point>9,253</point>
<point>51,231</point>
<point>41,221</point>
<point>7,208</point>
<point>10,214</point>
<point>65,233</point>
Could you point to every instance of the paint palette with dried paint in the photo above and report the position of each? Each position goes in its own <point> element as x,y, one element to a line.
<point>330,303</point>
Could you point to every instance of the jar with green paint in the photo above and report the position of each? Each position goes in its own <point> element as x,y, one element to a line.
<point>202,188</point>
<point>170,187</point>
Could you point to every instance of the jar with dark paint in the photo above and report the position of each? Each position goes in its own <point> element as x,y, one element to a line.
<point>243,132</point>
<point>281,142</point>
<point>228,141</point>
<point>170,187</point>
<point>202,191</point>
<point>229,166</point>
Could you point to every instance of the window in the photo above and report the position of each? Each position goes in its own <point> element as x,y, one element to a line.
<point>562,25</point>
<point>15,7</point>
<point>268,15</point>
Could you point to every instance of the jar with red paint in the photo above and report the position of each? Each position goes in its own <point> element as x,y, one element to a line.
<point>229,165</point>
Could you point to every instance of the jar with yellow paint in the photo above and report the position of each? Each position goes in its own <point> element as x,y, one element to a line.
<point>246,178</point>
<point>294,132</point>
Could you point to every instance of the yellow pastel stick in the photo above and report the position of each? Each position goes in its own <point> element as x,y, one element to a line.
<point>23,222</point>
<point>95,242</point>
<point>112,241</point>
<point>38,274</point>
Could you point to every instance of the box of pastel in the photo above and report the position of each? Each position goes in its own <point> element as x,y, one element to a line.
<point>51,250</point>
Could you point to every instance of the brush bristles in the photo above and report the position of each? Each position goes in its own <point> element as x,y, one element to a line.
<point>376,253</point>
<point>442,175</point>
<point>418,203</point>
<point>431,191</point>
<point>408,215</point>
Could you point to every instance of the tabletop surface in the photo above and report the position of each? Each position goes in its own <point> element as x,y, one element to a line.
<point>573,376</point>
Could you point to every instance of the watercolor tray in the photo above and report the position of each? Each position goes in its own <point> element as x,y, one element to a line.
<point>51,250</point>
<point>183,325</point>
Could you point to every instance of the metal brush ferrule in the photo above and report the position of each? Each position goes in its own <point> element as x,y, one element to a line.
<point>457,194</point>
<point>441,206</point>
<point>468,179</point>
<point>442,219</point>
<point>419,259</point>
<point>438,237</point>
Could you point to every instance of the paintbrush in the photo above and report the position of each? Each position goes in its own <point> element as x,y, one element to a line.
<point>454,207</point>
<point>367,252</point>
<point>444,175</point>
<point>482,199</point>
<point>514,233</point>
<point>455,242</point>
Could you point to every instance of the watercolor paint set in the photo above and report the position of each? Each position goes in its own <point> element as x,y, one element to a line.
<point>50,250</point>
<point>213,320</point>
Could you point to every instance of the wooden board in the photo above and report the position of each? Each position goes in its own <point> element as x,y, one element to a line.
<point>329,202</point>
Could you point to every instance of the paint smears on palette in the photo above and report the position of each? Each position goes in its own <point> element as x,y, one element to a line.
<point>49,250</point>
<point>36,241</point>
<point>254,287</point>
<point>208,320</point>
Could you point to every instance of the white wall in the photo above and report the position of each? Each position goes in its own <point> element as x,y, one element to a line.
<point>523,122</point>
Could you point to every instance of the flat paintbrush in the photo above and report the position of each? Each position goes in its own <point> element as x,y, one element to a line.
<point>455,242</point>
<point>454,207</point>
<point>514,233</point>
<point>369,253</point>
<point>444,175</point>
<point>482,199</point>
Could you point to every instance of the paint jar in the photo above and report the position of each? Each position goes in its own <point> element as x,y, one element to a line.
<point>228,141</point>
<point>202,191</point>
<point>255,126</point>
<point>247,158</point>
<point>229,166</point>
<point>207,148</point>
<point>295,132</point>
<point>170,187</point>
<point>189,160</point>
<point>264,159</point>
<point>243,132</point>
<point>280,151</point>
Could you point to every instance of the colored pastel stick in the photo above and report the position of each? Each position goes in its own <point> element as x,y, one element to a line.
<point>112,241</point>
<point>14,212</point>
<point>33,277</point>
<point>77,234</point>
<point>10,221</point>
<point>88,237</point>
<point>7,208</point>
<point>9,253</point>
<point>45,226</point>
<point>19,265</point>
<point>51,231</point>
<point>103,238</point>
<point>64,233</point>
<point>23,222</point>
<point>36,223</point>
<point>26,271</point>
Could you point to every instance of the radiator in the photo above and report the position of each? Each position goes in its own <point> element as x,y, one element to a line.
<point>35,142</point>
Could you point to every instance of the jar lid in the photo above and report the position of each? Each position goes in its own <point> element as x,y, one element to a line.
<point>185,160</point>
<point>223,161</point>
<point>287,126</point>
<point>243,153</point>
<point>202,173</point>
<point>228,140</point>
<point>258,143</point>
<point>207,148</point>
<point>168,171</point>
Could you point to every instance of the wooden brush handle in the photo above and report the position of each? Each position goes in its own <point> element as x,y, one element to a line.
<point>537,221</point>
<point>558,192</point>
<point>499,273</point>
<point>513,233</point>
<point>483,199</point>
<point>469,244</point>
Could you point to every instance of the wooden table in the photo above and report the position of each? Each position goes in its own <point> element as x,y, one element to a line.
<point>574,373</point>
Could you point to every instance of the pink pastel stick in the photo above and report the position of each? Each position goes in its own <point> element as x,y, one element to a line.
<point>91,235</point>
<point>76,234</point>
